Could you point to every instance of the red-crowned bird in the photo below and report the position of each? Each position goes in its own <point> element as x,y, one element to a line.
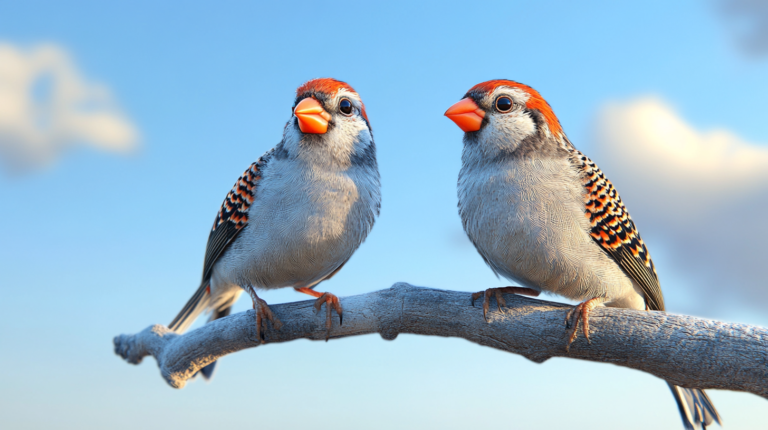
<point>297,215</point>
<point>543,215</point>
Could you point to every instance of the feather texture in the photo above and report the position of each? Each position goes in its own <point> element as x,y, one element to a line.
<point>613,229</point>
<point>230,220</point>
<point>233,214</point>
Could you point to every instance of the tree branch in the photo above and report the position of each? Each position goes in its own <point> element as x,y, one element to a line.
<point>687,351</point>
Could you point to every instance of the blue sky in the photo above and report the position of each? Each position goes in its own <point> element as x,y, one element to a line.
<point>99,243</point>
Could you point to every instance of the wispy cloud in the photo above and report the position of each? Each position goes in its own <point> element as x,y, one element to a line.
<point>47,107</point>
<point>704,193</point>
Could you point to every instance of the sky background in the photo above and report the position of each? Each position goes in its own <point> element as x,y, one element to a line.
<point>123,126</point>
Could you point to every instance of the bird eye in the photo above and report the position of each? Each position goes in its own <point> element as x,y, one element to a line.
<point>345,106</point>
<point>504,104</point>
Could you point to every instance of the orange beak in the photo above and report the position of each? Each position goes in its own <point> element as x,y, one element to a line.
<point>466,115</point>
<point>312,117</point>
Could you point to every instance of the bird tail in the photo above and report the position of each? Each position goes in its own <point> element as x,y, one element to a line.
<point>200,302</point>
<point>194,307</point>
<point>207,371</point>
<point>696,409</point>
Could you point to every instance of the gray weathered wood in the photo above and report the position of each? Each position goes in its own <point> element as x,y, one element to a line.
<point>687,351</point>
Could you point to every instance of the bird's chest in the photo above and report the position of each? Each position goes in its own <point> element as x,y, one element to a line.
<point>305,208</point>
<point>526,218</point>
<point>302,226</point>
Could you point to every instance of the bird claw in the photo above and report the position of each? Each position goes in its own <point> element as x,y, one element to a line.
<point>263,314</point>
<point>580,312</point>
<point>500,302</point>
<point>331,302</point>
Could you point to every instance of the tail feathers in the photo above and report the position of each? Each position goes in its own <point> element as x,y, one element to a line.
<point>696,409</point>
<point>194,307</point>
<point>207,371</point>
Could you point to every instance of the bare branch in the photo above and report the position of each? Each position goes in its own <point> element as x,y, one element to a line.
<point>687,351</point>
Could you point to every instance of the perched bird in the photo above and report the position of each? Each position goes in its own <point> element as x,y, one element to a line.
<point>297,215</point>
<point>542,214</point>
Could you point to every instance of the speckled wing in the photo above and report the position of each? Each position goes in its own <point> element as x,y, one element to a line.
<point>231,219</point>
<point>612,228</point>
<point>233,214</point>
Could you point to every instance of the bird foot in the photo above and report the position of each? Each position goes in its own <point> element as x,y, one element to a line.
<point>263,314</point>
<point>499,298</point>
<point>581,311</point>
<point>331,301</point>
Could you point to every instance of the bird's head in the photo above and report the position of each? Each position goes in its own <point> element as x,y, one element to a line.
<point>329,124</point>
<point>501,117</point>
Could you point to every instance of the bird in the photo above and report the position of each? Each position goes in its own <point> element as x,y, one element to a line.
<point>543,215</point>
<point>297,214</point>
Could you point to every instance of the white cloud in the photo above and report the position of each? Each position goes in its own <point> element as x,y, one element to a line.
<point>705,194</point>
<point>46,107</point>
